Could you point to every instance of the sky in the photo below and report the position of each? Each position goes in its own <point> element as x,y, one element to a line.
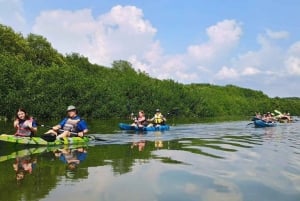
<point>252,44</point>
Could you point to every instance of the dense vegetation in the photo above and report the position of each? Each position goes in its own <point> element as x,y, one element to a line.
<point>37,77</point>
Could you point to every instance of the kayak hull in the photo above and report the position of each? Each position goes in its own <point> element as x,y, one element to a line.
<point>128,127</point>
<point>258,123</point>
<point>39,141</point>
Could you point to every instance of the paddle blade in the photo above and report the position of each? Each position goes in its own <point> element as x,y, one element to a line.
<point>278,112</point>
<point>48,137</point>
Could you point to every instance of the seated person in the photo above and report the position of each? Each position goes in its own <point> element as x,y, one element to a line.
<point>26,126</point>
<point>158,119</point>
<point>140,121</point>
<point>70,126</point>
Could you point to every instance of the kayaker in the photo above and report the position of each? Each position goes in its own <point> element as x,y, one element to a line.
<point>141,120</point>
<point>25,125</point>
<point>71,126</point>
<point>157,119</point>
<point>268,117</point>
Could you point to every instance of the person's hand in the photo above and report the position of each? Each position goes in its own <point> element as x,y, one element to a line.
<point>80,134</point>
<point>28,125</point>
<point>56,127</point>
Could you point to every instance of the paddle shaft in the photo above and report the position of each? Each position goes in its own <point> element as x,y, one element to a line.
<point>74,133</point>
<point>62,130</point>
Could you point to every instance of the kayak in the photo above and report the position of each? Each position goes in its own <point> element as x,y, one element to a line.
<point>39,141</point>
<point>128,127</point>
<point>261,124</point>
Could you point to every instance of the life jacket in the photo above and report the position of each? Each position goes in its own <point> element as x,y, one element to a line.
<point>158,118</point>
<point>23,130</point>
<point>71,125</point>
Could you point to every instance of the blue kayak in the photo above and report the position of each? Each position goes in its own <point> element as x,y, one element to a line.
<point>128,127</point>
<point>261,123</point>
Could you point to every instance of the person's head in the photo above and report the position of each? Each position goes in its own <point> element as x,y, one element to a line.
<point>20,174</point>
<point>71,111</point>
<point>141,113</point>
<point>22,114</point>
<point>157,111</point>
<point>72,166</point>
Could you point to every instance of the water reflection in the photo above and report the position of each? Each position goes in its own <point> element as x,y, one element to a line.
<point>72,157</point>
<point>158,142</point>
<point>24,165</point>
<point>224,161</point>
<point>140,144</point>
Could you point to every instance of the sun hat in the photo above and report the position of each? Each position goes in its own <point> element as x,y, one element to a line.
<point>71,107</point>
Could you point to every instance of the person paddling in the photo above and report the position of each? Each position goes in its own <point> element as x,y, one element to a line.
<point>71,126</point>
<point>140,121</point>
<point>158,119</point>
<point>25,125</point>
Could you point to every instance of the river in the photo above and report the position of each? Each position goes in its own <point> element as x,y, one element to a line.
<point>228,161</point>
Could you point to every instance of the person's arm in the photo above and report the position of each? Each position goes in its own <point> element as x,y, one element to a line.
<point>16,123</point>
<point>56,127</point>
<point>82,133</point>
<point>82,127</point>
<point>152,119</point>
<point>33,129</point>
<point>33,126</point>
<point>60,125</point>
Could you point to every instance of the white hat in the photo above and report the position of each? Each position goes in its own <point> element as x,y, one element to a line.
<point>71,107</point>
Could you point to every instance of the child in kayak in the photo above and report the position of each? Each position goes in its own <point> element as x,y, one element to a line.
<point>25,125</point>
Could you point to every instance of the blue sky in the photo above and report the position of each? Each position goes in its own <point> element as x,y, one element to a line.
<point>252,43</point>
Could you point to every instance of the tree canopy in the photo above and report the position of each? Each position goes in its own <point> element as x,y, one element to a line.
<point>37,77</point>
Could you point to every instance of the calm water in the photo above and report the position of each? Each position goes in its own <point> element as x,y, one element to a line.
<point>208,161</point>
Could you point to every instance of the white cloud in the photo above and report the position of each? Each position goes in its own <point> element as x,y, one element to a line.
<point>11,14</point>
<point>268,59</point>
<point>122,33</point>
<point>222,37</point>
<point>277,34</point>
<point>250,71</point>
<point>293,65</point>
<point>198,64</point>
<point>225,33</point>
<point>68,31</point>
<point>227,73</point>
<point>294,49</point>
<point>292,62</point>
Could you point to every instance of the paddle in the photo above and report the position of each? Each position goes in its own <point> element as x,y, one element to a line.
<point>62,130</point>
<point>51,137</point>
<point>278,112</point>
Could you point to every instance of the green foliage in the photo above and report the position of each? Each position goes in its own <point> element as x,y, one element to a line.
<point>35,76</point>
